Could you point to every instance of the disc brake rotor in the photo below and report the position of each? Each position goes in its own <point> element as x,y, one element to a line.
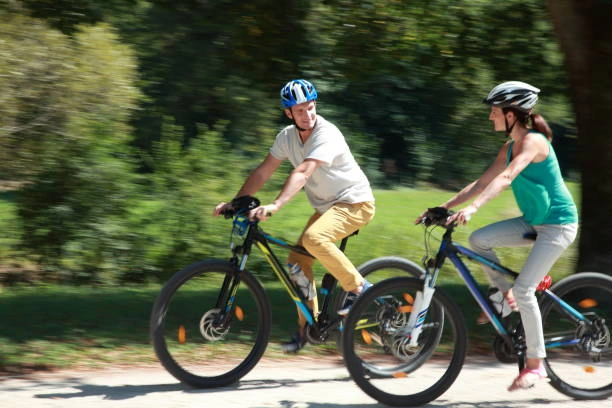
<point>209,329</point>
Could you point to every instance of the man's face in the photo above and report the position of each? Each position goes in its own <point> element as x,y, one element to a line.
<point>304,114</point>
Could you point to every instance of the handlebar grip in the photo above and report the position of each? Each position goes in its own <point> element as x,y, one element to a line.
<point>437,216</point>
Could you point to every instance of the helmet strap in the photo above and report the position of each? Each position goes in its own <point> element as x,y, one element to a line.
<point>301,129</point>
<point>509,127</point>
<point>297,127</point>
<point>295,123</point>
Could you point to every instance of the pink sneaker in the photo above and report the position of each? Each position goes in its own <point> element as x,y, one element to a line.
<point>527,378</point>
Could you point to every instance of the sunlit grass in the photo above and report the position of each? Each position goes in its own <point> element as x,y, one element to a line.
<point>50,326</point>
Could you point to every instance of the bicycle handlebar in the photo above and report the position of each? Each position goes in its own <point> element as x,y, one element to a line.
<point>437,216</point>
<point>241,205</point>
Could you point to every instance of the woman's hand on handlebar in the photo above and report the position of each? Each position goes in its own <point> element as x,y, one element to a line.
<point>462,216</point>
<point>420,218</point>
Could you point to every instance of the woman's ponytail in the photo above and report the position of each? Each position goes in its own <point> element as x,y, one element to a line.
<point>539,123</point>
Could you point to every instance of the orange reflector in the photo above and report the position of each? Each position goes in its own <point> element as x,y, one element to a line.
<point>587,303</point>
<point>367,339</point>
<point>404,309</point>
<point>239,313</point>
<point>182,337</point>
<point>589,369</point>
<point>400,374</point>
<point>408,298</point>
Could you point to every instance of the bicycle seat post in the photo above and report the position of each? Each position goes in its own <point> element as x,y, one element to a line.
<point>343,243</point>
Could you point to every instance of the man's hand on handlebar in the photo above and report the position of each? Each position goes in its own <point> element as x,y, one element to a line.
<point>263,212</point>
<point>221,208</point>
<point>245,204</point>
<point>239,205</point>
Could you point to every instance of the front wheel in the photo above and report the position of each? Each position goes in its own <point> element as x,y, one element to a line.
<point>378,351</point>
<point>205,333</point>
<point>579,354</point>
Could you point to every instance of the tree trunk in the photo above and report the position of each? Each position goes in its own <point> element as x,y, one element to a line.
<point>584,31</point>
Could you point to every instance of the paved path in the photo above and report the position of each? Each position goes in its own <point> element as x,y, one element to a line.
<point>290,383</point>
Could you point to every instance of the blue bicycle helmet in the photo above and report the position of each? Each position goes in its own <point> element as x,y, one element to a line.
<point>296,92</point>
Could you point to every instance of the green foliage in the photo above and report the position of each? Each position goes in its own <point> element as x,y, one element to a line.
<point>69,134</point>
<point>34,76</point>
<point>413,72</point>
<point>125,124</point>
<point>10,228</point>
<point>171,223</point>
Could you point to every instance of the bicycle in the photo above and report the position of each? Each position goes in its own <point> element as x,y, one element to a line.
<point>404,324</point>
<point>211,321</point>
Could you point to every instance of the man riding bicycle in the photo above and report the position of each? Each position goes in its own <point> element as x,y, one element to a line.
<point>335,186</point>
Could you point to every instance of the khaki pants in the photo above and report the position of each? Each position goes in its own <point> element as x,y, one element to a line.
<point>319,237</point>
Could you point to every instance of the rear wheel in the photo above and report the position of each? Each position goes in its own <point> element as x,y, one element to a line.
<point>579,354</point>
<point>376,270</point>
<point>204,335</point>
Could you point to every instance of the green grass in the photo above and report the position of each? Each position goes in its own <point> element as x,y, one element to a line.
<point>49,326</point>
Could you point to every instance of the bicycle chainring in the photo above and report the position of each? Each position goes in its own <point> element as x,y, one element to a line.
<point>314,335</point>
<point>503,351</point>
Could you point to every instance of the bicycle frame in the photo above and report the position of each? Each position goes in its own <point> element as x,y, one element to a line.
<point>254,235</point>
<point>452,251</point>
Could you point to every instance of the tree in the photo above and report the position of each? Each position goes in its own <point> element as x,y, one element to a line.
<point>64,136</point>
<point>583,28</point>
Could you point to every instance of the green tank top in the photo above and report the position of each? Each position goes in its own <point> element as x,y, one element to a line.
<point>541,193</point>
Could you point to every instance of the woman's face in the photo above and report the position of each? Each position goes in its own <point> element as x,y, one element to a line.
<point>497,117</point>
<point>304,114</point>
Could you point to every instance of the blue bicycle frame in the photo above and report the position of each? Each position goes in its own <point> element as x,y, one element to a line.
<point>452,251</point>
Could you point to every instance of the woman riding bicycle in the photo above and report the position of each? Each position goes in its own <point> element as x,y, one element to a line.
<point>528,163</point>
<point>334,183</point>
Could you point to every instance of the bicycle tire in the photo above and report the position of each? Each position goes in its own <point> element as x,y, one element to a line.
<point>570,370</point>
<point>378,357</point>
<point>376,270</point>
<point>189,342</point>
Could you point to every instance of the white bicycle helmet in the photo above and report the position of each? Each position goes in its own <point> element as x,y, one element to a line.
<point>297,91</point>
<point>513,94</point>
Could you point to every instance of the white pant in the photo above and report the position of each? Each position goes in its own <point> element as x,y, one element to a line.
<point>552,240</point>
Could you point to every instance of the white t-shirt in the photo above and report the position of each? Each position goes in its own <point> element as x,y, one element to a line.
<point>338,178</point>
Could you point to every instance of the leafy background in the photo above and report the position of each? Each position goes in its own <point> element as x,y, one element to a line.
<point>123,122</point>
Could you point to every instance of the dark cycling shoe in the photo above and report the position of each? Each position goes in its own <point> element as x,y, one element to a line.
<point>296,343</point>
<point>351,298</point>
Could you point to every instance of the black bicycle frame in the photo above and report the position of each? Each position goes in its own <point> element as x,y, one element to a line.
<point>255,235</point>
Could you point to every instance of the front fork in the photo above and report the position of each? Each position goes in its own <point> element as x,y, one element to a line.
<point>227,296</point>
<point>419,311</point>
